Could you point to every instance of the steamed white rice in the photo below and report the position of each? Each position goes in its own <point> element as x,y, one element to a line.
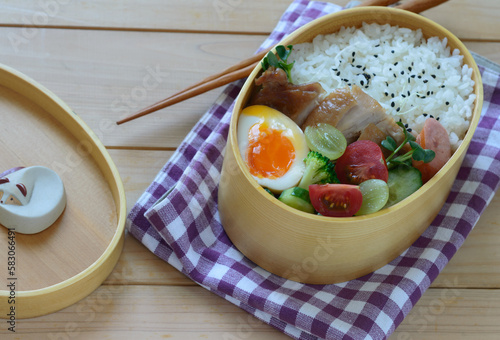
<point>411,77</point>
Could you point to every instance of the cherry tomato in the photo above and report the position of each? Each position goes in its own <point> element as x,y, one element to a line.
<point>434,137</point>
<point>335,200</point>
<point>361,161</point>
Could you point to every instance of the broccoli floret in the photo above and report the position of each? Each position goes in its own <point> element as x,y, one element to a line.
<point>319,170</point>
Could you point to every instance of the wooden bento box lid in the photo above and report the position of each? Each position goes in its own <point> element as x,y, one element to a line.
<point>66,262</point>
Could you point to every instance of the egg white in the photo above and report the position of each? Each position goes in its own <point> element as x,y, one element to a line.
<point>276,121</point>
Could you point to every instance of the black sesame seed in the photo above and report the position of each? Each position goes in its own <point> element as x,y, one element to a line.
<point>393,104</point>
<point>409,68</point>
<point>402,72</point>
<point>423,97</point>
<point>403,95</point>
<point>396,63</point>
<point>447,103</point>
<point>353,54</point>
<point>425,114</point>
<point>406,126</point>
<point>392,51</point>
<point>338,73</point>
<point>362,83</point>
<point>431,116</point>
<point>413,76</point>
<point>364,68</point>
<point>392,95</point>
<point>423,71</point>
<point>409,130</point>
<point>353,59</point>
<point>408,80</point>
<point>409,93</point>
<point>359,66</point>
<point>394,74</point>
<point>437,118</point>
<point>386,94</point>
<point>433,76</point>
<point>378,45</point>
<point>419,77</point>
<point>428,93</point>
<point>397,110</point>
<point>439,66</point>
<point>375,55</point>
<point>425,81</point>
<point>442,86</point>
<point>366,86</point>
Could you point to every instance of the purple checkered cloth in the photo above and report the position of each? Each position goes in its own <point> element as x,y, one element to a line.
<point>178,220</point>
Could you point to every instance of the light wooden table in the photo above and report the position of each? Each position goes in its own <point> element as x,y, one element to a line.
<point>108,58</point>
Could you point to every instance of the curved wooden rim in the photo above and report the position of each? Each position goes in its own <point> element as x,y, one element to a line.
<point>45,300</point>
<point>461,150</point>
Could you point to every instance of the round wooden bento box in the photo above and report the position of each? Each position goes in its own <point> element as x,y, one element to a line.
<point>66,262</point>
<point>322,249</point>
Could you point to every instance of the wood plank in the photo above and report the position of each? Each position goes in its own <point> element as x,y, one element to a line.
<point>453,314</point>
<point>488,50</point>
<point>478,20</point>
<point>138,169</point>
<point>137,265</point>
<point>153,312</point>
<point>217,15</point>
<point>147,312</point>
<point>474,265</point>
<point>469,20</point>
<point>107,75</point>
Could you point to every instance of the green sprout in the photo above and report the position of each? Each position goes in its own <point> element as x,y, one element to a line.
<point>417,152</point>
<point>279,61</point>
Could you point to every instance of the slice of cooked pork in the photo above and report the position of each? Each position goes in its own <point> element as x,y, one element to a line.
<point>352,110</point>
<point>332,108</point>
<point>373,133</point>
<point>295,101</point>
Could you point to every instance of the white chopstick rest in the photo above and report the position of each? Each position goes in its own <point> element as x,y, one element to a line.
<point>31,199</point>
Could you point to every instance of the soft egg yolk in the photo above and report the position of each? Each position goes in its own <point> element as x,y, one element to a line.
<point>270,153</point>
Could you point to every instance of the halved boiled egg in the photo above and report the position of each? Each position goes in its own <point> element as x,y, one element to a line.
<point>273,147</point>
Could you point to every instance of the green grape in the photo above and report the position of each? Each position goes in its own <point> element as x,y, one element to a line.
<point>375,195</point>
<point>325,139</point>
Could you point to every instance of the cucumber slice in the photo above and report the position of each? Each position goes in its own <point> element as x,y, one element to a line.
<point>403,181</point>
<point>297,198</point>
<point>269,191</point>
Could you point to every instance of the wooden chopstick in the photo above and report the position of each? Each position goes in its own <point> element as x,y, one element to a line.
<point>418,6</point>
<point>225,77</point>
<point>245,67</point>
